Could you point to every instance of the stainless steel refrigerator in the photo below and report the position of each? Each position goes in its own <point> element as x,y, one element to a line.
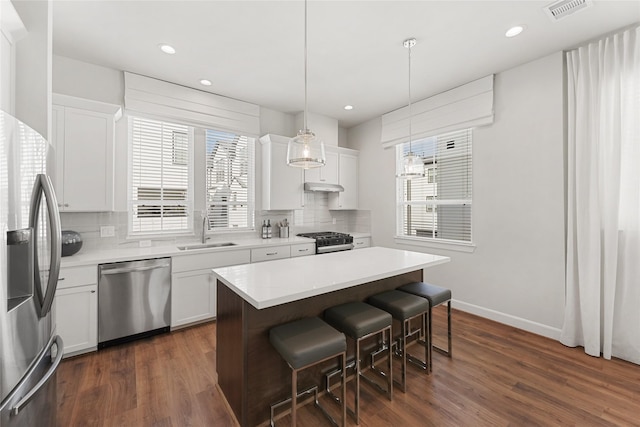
<point>30,250</point>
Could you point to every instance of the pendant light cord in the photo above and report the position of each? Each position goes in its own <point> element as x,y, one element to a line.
<point>410,115</point>
<point>305,66</point>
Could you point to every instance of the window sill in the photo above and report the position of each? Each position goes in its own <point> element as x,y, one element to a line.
<point>449,245</point>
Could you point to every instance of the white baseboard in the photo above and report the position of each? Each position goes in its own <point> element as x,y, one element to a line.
<point>507,319</point>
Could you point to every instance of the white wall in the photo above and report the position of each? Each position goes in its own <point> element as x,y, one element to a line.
<point>33,66</point>
<point>516,273</point>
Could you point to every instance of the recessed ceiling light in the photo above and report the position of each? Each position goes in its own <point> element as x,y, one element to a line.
<point>205,82</point>
<point>514,31</point>
<point>167,49</point>
<point>348,107</point>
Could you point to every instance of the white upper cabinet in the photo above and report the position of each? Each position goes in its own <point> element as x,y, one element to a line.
<point>348,178</point>
<point>83,136</point>
<point>282,185</point>
<point>327,174</point>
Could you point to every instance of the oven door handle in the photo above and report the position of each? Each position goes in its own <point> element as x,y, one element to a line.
<point>334,248</point>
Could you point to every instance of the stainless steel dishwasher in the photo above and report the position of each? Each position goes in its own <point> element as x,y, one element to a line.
<point>133,300</point>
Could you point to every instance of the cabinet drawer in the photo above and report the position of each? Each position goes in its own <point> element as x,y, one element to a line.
<point>77,276</point>
<point>303,249</point>
<point>273,252</point>
<point>211,259</point>
<point>361,242</point>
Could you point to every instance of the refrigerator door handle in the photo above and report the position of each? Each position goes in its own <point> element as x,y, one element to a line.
<point>44,186</point>
<point>57,341</point>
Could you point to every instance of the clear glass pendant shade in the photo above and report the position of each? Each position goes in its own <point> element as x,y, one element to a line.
<point>305,151</point>
<point>412,166</point>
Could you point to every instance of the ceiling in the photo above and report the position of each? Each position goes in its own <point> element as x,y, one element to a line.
<point>254,50</point>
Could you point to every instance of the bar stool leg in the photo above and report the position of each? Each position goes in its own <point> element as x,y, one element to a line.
<point>389,366</point>
<point>449,346</point>
<point>344,389</point>
<point>357,361</point>
<point>426,325</point>
<point>404,354</point>
<point>449,327</point>
<point>294,396</point>
<point>430,340</point>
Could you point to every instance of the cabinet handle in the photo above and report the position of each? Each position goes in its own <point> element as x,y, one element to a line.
<point>303,250</point>
<point>60,279</point>
<point>93,292</point>
<point>272,253</point>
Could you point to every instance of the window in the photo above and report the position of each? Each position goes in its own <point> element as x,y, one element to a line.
<point>160,177</point>
<point>438,205</point>
<point>230,181</point>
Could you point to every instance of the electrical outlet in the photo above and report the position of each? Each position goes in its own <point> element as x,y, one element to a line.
<point>107,231</point>
<point>333,220</point>
<point>145,243</point>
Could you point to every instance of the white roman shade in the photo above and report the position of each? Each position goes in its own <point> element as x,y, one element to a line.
<point>464,107</point>
<point>162,99</point>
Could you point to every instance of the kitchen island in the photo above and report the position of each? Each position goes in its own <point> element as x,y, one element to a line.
<point>253,298</point>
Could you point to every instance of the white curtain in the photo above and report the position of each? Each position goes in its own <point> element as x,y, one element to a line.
<point>602,311</point>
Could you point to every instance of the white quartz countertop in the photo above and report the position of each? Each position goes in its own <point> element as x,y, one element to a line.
<point>272,283</point>
<point>101,256</point>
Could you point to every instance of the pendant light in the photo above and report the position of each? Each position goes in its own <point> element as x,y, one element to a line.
<point>305,150</point>
<point>412,166</point>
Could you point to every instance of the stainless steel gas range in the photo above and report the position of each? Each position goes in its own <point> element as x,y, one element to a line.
<point>330,241</point>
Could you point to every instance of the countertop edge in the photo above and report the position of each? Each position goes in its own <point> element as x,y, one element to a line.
<point>334,287</point>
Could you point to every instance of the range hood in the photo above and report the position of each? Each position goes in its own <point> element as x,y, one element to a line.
<point>320,186</point>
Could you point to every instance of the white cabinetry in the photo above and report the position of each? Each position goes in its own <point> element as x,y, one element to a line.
<point>348,178</point>
<point>303,249</point>
<point>76,309</point>
<point>361,242</point>
<point>270,253</point>
<point>83,135</point>
<point>282,185</point>
<point>327,174</point>
<point>193,287</point>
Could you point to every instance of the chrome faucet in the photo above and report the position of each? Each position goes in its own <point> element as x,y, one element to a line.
<point>205,227</point>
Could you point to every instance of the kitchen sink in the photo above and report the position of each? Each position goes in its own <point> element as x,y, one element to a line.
<point>205,245</point>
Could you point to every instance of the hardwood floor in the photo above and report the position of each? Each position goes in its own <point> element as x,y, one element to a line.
<point>498,376</point>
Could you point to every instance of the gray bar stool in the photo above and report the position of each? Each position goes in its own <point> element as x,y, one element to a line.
<point>302,344</point>
<point>404,307</point>
<point>436,296</point>
<point>360,321</point>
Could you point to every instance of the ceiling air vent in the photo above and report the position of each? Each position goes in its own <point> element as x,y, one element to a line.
<point>563,8</point>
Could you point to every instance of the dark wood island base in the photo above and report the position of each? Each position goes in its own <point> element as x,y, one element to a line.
<point>251,374</point>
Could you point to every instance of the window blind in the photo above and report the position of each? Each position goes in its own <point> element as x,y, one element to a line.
<point>230,181</point>
<point>438,205</point>
<point>161,182</point>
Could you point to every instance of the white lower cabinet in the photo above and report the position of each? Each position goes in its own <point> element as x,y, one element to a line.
<point>193,297</point>
<point>361,242</point>
<point>303,249</point>
<point>270,253</point>
<point>76,309</point>
<point>193,287</point>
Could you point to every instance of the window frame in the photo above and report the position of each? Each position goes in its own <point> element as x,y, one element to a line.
<point>401,204</point>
